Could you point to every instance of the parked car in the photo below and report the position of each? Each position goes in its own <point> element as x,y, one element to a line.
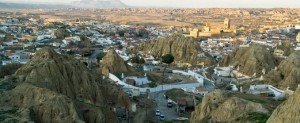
<point>170,104</point>
<point>162,117</point>
<point>157,113</point>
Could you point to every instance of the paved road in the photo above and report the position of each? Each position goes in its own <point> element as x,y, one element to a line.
<point>170,113</point>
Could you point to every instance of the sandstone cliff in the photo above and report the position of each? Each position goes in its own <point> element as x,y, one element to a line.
<point>250,60</point>
<point>218,107</point>
<point>60,89</point>
<point>287,73</point>
<point>185,50</point>
<point>113,63</point>
<point>288,111</point>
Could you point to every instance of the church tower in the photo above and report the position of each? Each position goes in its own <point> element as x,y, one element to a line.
<point>226,23</point>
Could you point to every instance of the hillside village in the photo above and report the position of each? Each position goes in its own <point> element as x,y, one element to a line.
<point>210,66</point>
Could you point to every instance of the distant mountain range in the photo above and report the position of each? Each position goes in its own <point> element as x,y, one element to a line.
<point>6,5</point>
<point>100,4</point>
<point>78,4</point>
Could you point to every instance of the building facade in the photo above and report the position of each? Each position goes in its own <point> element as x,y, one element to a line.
<point>298,37</point>
<point>226,23</point>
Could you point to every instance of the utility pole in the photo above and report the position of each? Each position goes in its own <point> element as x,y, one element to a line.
<point>162,85</point>
<point>146,105</point>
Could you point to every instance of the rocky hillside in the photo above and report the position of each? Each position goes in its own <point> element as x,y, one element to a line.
<point>54,88</point>
<point>185,50</point>
<point>251,59</point>
<point>217,106</point>
<point>113,63</point>
<point>287,73</point>
<point>288,111</point>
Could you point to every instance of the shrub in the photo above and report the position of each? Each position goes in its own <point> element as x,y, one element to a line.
<point>152,85</point>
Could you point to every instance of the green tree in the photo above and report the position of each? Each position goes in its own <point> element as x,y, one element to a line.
<point>138,60</point>
<point>85,42</point>
<point>61,33</point>
<point>135,59</point>
<point>152,85</point>
<point>167,59</point>
<point>142,61</point>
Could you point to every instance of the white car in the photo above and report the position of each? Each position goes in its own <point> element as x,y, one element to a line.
<point>162,117</point>
<point>157,113</point>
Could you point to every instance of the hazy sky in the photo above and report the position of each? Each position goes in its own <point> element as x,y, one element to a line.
<point>194,3</point>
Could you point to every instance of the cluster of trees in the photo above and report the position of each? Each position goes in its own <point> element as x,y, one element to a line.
<point>142,32</point>
<point>9,69</point>
<point>152,85</point>
<point>85,42</point>
<point>61,33</point>
<point>138,60</point>
<point>167,59</point>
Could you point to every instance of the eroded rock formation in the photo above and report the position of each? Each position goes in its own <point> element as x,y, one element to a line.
<point>113,63</point>
<point>288,111</point>
<point>217,106</point>
<point>250,60</point>
<point>56,88</point>
<point>287,74</point>
<point>184,49</point>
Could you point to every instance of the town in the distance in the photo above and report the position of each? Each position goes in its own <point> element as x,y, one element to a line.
<point>149,65</point>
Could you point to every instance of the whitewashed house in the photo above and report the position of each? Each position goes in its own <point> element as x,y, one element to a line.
<point>5,62</point>
<point>266,90</point>
<point>43,37</point>
<point>222,71</point>
<point>10,43</point>
<point>68,40</point>
<point>138,80</point>
<point>202,91</point>
<point>13,56</point>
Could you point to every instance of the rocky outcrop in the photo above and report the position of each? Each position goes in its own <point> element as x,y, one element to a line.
<point>184,49</point>
<point>113,63</point>
<point>288,111</point>
<point>287,73</point>
<point>250,60</point>
<point>218,107</point>
<point>60,89</point>
<point>61,74</point>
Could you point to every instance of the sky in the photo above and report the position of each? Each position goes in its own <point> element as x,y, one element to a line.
<point>192,3</point>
